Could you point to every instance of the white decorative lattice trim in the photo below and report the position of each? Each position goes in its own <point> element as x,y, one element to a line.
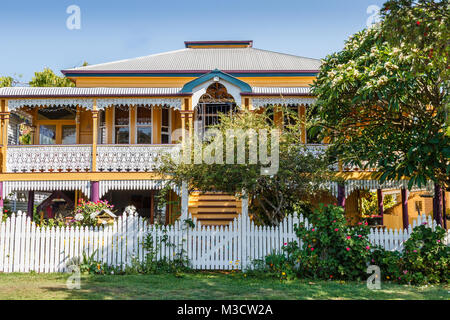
<point>169,102</point>
<point>50,103</point>
<point>263,102</point>
<point>47,185</point>
<point>372,185</point>
<point>107,185</point>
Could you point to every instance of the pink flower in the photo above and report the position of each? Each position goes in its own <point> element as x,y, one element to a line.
<point>367,247</point>
<point>439,241</point>
<point>424,223</point>
<point>348,237</point>
<point>359,223</point>
<point>348,249</point>
<point>365,223</point>
<point>334,220</point>
<point>405,271</point>
<point>312,249</point>
<point>359,236</point>
<point>313,229</point>
<point>336,229</point>
<point>414,250</point>
<point>285,244</point>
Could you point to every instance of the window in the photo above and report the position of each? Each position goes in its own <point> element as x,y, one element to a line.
<point>419,207</point>
<point>121,125</point>
<point>47,134</point>
<point>69,134</point>
<point>102,127</point>
<point>165,126</point>
<point>144,125</point>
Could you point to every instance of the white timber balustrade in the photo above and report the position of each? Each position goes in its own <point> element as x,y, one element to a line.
<point>131,158</point>
<point>25,247</point>
<point>49,158</point>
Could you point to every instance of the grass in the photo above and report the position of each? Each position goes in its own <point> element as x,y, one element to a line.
<point>201,285</point>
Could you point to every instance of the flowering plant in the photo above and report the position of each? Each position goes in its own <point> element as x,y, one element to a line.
<point>426,258</point>
<point>86,212</point>
<point>331,248</point>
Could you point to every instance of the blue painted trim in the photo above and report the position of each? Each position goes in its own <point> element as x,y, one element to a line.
<point>188,87</point>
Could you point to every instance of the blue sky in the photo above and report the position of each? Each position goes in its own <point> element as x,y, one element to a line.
<point>33,34</point>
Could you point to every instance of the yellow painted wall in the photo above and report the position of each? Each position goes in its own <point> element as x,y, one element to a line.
<point>167,82</point>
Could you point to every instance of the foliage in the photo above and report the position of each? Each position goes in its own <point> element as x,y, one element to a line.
<point>86,212</point>
<point>382,100</point>
<point>153,264</point>
<point>6,81</point>
<point>389,263</point>
<point>369,203</point>
<point>47,78</point>
<point>426,259</point>
<point>331,248</point>
<point>299,173</point>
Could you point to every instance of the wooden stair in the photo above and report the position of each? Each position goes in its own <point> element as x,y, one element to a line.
<point>214,208</point>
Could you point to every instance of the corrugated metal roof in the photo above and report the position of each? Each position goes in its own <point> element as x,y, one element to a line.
<point>281,90</point>
<point>225,59</point>
<point>24,92</point>
<point>84,92</point>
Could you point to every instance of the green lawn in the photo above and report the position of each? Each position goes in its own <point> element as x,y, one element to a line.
<point>201,286</point>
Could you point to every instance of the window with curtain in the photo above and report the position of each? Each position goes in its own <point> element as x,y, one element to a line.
<point>69,134</point>
<point>47,134</point>
<point>144,125</point>
<point>165,126</point>
<point>122,125</point>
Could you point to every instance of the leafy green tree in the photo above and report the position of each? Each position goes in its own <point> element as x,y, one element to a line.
<point>383,100</point>
<point>47,78</point>
<point>6,81</point>
<point>300,173</point>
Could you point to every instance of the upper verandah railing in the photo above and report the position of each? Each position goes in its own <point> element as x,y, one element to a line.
<point>79,158</point>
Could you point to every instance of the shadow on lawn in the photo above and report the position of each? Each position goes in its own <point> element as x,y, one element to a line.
<point>202,285</point>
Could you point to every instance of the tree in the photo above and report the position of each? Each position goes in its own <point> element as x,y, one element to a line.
<point>383,100</point>
<point>47,78</point>
<point>300,173</point>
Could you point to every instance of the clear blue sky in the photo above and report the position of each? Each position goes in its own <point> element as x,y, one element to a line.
<point>33,34</point>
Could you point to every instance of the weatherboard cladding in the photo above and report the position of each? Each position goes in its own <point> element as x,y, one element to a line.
<point>225,59</point>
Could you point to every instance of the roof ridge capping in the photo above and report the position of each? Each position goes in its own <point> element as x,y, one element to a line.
<point>219,44</point>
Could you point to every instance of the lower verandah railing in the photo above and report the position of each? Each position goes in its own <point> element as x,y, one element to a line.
<point>25,247</point>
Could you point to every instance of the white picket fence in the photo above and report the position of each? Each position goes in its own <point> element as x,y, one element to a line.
<point>25,247</point>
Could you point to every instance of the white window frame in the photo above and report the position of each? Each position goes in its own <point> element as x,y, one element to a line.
<point>136,126</point>
<point>114,126</point>
<point>100,127</point>
<point>169,127</point>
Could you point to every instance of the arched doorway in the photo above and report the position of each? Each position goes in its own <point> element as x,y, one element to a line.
<point>215,101</point>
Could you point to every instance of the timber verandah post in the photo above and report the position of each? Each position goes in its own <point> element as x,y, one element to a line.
<point>380,204</point>
<point>405,217</point>
<point>437,204</point>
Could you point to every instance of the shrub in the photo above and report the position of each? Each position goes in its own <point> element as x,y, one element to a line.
<point>389,263</point>
<point>425,256</point>
<point>330,248</point>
